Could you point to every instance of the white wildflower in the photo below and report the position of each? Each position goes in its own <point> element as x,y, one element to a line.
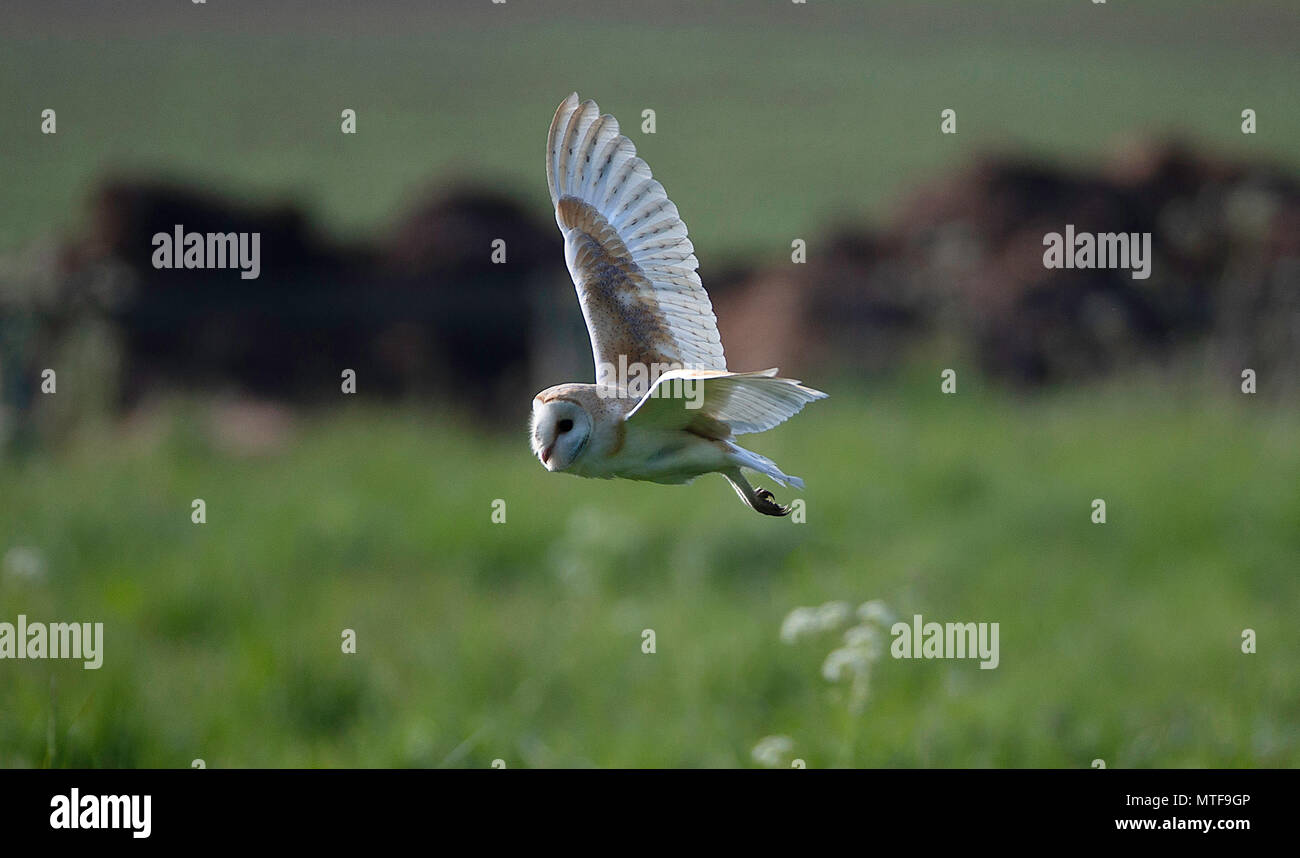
<point>25,563</point>
<point>773,751</point>
<point>832,615</point>
<point>876,611</point>
<point>798,623</point>
<point>865,638</point>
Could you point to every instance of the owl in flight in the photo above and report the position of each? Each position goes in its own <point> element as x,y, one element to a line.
<point>664,407</point>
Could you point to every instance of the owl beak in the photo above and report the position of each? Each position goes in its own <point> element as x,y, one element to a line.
<point>546,454</point>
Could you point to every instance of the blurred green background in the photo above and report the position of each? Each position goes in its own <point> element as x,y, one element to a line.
<point>522,641</point>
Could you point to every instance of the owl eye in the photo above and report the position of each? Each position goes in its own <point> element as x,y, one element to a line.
<point>564,425</point>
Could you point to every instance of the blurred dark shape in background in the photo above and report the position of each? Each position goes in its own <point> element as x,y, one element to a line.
<point>426,312</point>
<point>1225,248</point>
<point>208,329</point>
<point>963,259</point>
<point>422,313</point>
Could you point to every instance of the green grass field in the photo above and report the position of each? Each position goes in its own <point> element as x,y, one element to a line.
<point>522,641</point>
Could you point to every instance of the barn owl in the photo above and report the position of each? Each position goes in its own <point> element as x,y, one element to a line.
<point>664,407</point>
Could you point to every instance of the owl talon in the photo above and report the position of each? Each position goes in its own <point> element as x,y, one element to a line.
<point>766,503</point>
<point>759,500</point>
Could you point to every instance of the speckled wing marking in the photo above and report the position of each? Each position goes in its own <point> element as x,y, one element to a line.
<point>626,248</point>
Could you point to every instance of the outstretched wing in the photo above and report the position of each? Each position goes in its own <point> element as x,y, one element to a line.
<point>626,248</point>
<point>719,404</point>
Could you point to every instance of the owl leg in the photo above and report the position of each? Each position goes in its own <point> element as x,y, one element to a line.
<point>759,500</point>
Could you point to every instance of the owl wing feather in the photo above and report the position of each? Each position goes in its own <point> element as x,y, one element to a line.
<point>626,249</point>
<point>741,402</point>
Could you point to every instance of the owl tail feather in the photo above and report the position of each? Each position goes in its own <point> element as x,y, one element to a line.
<point>749,459</point>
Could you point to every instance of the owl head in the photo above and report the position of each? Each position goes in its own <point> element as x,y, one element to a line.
<point>560,430</point>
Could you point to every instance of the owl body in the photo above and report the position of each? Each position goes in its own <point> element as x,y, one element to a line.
<point>635,274</point>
